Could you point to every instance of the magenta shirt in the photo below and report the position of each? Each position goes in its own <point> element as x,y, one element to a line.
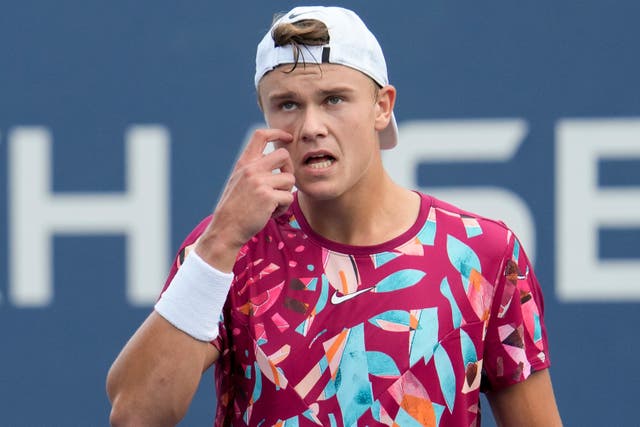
<point>407,332</point>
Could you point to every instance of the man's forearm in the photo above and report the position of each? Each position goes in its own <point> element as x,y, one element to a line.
<point>154,378</point>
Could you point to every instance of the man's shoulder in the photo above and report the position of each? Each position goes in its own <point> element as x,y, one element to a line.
<point>475,230</point>
<point>453,211</point>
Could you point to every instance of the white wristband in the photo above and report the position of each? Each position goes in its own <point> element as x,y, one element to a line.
<point>194,299</point>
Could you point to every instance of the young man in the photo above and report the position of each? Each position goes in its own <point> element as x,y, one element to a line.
<point>351,301</point>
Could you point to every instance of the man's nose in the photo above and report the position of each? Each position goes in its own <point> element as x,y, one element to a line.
<point>313,124</point>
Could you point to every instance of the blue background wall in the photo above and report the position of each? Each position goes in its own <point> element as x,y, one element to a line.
<point>88,70</point>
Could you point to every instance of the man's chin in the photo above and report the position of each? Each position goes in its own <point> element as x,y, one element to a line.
<point>318,191</point>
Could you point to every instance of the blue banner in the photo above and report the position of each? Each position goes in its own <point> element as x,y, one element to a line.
<point>119,122</point>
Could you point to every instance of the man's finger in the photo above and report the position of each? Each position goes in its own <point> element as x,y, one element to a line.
<point>286,165</point>
<point>280,181</point>
<point>259,141</point>
<point>283,200</point>
<point>278,159</point>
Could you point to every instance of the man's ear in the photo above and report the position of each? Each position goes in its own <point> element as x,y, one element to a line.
<point>385,101</point>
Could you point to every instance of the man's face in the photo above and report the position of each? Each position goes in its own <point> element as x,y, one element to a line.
<point>333,113</point>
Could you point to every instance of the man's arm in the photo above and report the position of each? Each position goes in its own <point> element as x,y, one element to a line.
<point>530,403</point>
<point>154,378</point>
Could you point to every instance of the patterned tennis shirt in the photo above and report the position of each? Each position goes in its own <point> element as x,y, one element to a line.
<point>405,333</point>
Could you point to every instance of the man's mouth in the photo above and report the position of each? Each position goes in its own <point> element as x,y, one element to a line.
<point>320,161</point>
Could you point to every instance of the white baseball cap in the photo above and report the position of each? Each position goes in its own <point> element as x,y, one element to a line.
<point>350,44</point>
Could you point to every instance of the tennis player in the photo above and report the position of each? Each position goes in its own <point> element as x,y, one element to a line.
<point>351,301</point>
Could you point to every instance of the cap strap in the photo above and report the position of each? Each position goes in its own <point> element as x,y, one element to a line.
<point>325,54</point>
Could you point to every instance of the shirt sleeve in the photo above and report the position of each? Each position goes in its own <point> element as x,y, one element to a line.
<point>516,343</point>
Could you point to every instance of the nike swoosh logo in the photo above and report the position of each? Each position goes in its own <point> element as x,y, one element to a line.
<point>337,299</point>
<point>295,15</point>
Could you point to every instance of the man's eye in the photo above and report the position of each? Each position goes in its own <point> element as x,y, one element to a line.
<point>333,100</point>
<point>288,106</point>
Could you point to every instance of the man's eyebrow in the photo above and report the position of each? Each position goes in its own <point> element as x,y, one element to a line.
<point>336,89</point>
<point>279,96</point>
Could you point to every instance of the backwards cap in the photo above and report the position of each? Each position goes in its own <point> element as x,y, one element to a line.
<point>350,44</point>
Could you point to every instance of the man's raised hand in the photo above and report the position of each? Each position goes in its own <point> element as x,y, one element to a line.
<point>252,195</point>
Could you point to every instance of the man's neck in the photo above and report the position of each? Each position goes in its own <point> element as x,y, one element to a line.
<point>362,218</point>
